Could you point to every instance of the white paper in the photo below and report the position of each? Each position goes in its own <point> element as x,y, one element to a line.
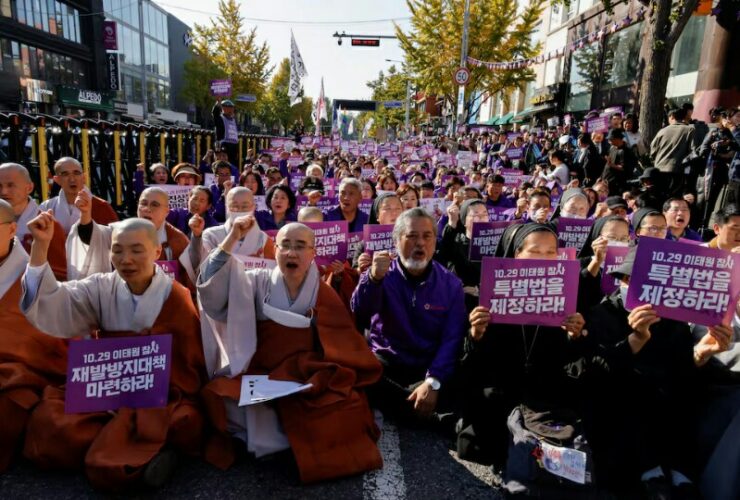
<point>564,462</point>
<point>258,389</point>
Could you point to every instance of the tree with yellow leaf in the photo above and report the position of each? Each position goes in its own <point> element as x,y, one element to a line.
<point>225,49</point>
<point>499,30</point>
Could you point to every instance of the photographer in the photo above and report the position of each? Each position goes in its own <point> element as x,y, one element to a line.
<point>719,148</point>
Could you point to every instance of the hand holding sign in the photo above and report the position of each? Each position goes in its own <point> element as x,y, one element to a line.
<point>599,247</point>
<point>717,340</point>
<point>364,261</point>
<point>381,264</point>
<point>641,319</point>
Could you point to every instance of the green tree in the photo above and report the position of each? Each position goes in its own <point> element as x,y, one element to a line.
<point>390,87</point>
<point>497,32</point>
<point>224,49</point>
<point>274,109</point>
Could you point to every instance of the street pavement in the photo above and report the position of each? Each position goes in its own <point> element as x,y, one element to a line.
<point>419,464</point>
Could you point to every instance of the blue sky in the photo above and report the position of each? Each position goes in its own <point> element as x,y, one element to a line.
<point>345,69</point>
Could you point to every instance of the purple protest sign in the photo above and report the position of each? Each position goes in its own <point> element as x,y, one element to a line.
<point>512,177</point>
<point>170,267</point>
<point>365,206</point>
<point>496,214</point>
<point>597,124</point>
<point>514,153</point>
<point>529,291</point>
<point>220,88</point>
<point>324,201</point>
<point>485,238</point>
<point>684,282</point>
<point>110,35</point>
<point>112,373</point>
<point>614,258</point>
<point>354,241</point>
<point>378,237</point>
<point>572,233</point>
<point>331,241</point>
<point>251,263</point>
<point>295,181</point>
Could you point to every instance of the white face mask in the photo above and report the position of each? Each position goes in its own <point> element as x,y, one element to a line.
<point>611,243</point>
<point>623,289</point>
<point>569,215</point>
<point>234,215</point>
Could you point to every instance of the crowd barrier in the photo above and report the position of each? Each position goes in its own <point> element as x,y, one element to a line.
<point>108,151</point>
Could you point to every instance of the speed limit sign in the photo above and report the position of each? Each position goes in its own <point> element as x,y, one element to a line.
<point>462,75</point>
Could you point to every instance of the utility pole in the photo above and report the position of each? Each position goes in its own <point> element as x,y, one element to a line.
<point>145,105</point>
<point>408,110</point>
<point>463,64</point>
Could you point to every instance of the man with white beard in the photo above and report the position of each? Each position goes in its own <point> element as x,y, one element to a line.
<point>414,309</point>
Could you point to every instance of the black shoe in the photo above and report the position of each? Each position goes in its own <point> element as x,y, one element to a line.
<point>686,491</point>
<point>657,488</point>
<point>159,471</point>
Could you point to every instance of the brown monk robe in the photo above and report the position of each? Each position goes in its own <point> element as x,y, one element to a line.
<point>344,284</point>
<point>136,299</point>
<point>290,325</point>
<point>29,359</point>
<point>330,430</point>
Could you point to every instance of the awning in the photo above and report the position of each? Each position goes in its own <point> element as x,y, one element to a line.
<point>85,99</point>
<point>522,115</point>
<point>505,119</point>
<point>491,121</point>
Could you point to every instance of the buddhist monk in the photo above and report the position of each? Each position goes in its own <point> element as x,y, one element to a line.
<point>128,445</point>
<point>256,243</point>
<point>69,176</point>
<point>302,334</point>
<point>89,243</point>
<point>29,359</point>
<point>16,188</point>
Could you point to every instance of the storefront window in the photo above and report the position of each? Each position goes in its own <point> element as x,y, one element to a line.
<point>687,51</point>
<point>584,76</point>
<point>621,57</point>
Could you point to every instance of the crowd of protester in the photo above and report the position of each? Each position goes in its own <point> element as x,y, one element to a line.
<point>654,403</point>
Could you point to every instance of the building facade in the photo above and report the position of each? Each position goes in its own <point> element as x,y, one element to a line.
<point>599,71</point>
<point>49,58</point>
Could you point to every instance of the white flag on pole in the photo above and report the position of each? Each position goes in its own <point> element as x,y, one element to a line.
<point>297,71</point>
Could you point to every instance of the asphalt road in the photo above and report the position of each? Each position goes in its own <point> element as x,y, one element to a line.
<point>418,465</point>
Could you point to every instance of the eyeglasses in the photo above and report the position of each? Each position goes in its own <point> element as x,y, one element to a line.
<point>74,173</point>
<point>676,210</point>
<point>655,229</point>
<point>407,199</point>
<point>286,246</point>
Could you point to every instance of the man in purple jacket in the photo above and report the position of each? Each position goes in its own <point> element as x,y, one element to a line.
<point>415,311</point>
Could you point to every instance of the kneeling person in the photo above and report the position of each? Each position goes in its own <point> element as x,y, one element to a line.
<point>302,334</point>
<point>118,447</point>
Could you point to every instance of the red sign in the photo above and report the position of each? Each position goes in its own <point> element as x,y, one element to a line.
<point>365,42</point>
<point>462,75</point>
<point>110,38</point>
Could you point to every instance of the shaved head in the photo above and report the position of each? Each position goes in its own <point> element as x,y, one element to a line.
<point>239,190</point>
<point>6,212</point>
<point>19,169</point>
<point>64,160</point>
<point>296,230</point>
<point>159,192</point>
<point>136,224</point>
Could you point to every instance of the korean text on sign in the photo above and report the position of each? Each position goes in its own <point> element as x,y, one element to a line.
<point>685,282</point>
<point>331,241</point>
<point>529,291</point>
<point>107,374</point>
